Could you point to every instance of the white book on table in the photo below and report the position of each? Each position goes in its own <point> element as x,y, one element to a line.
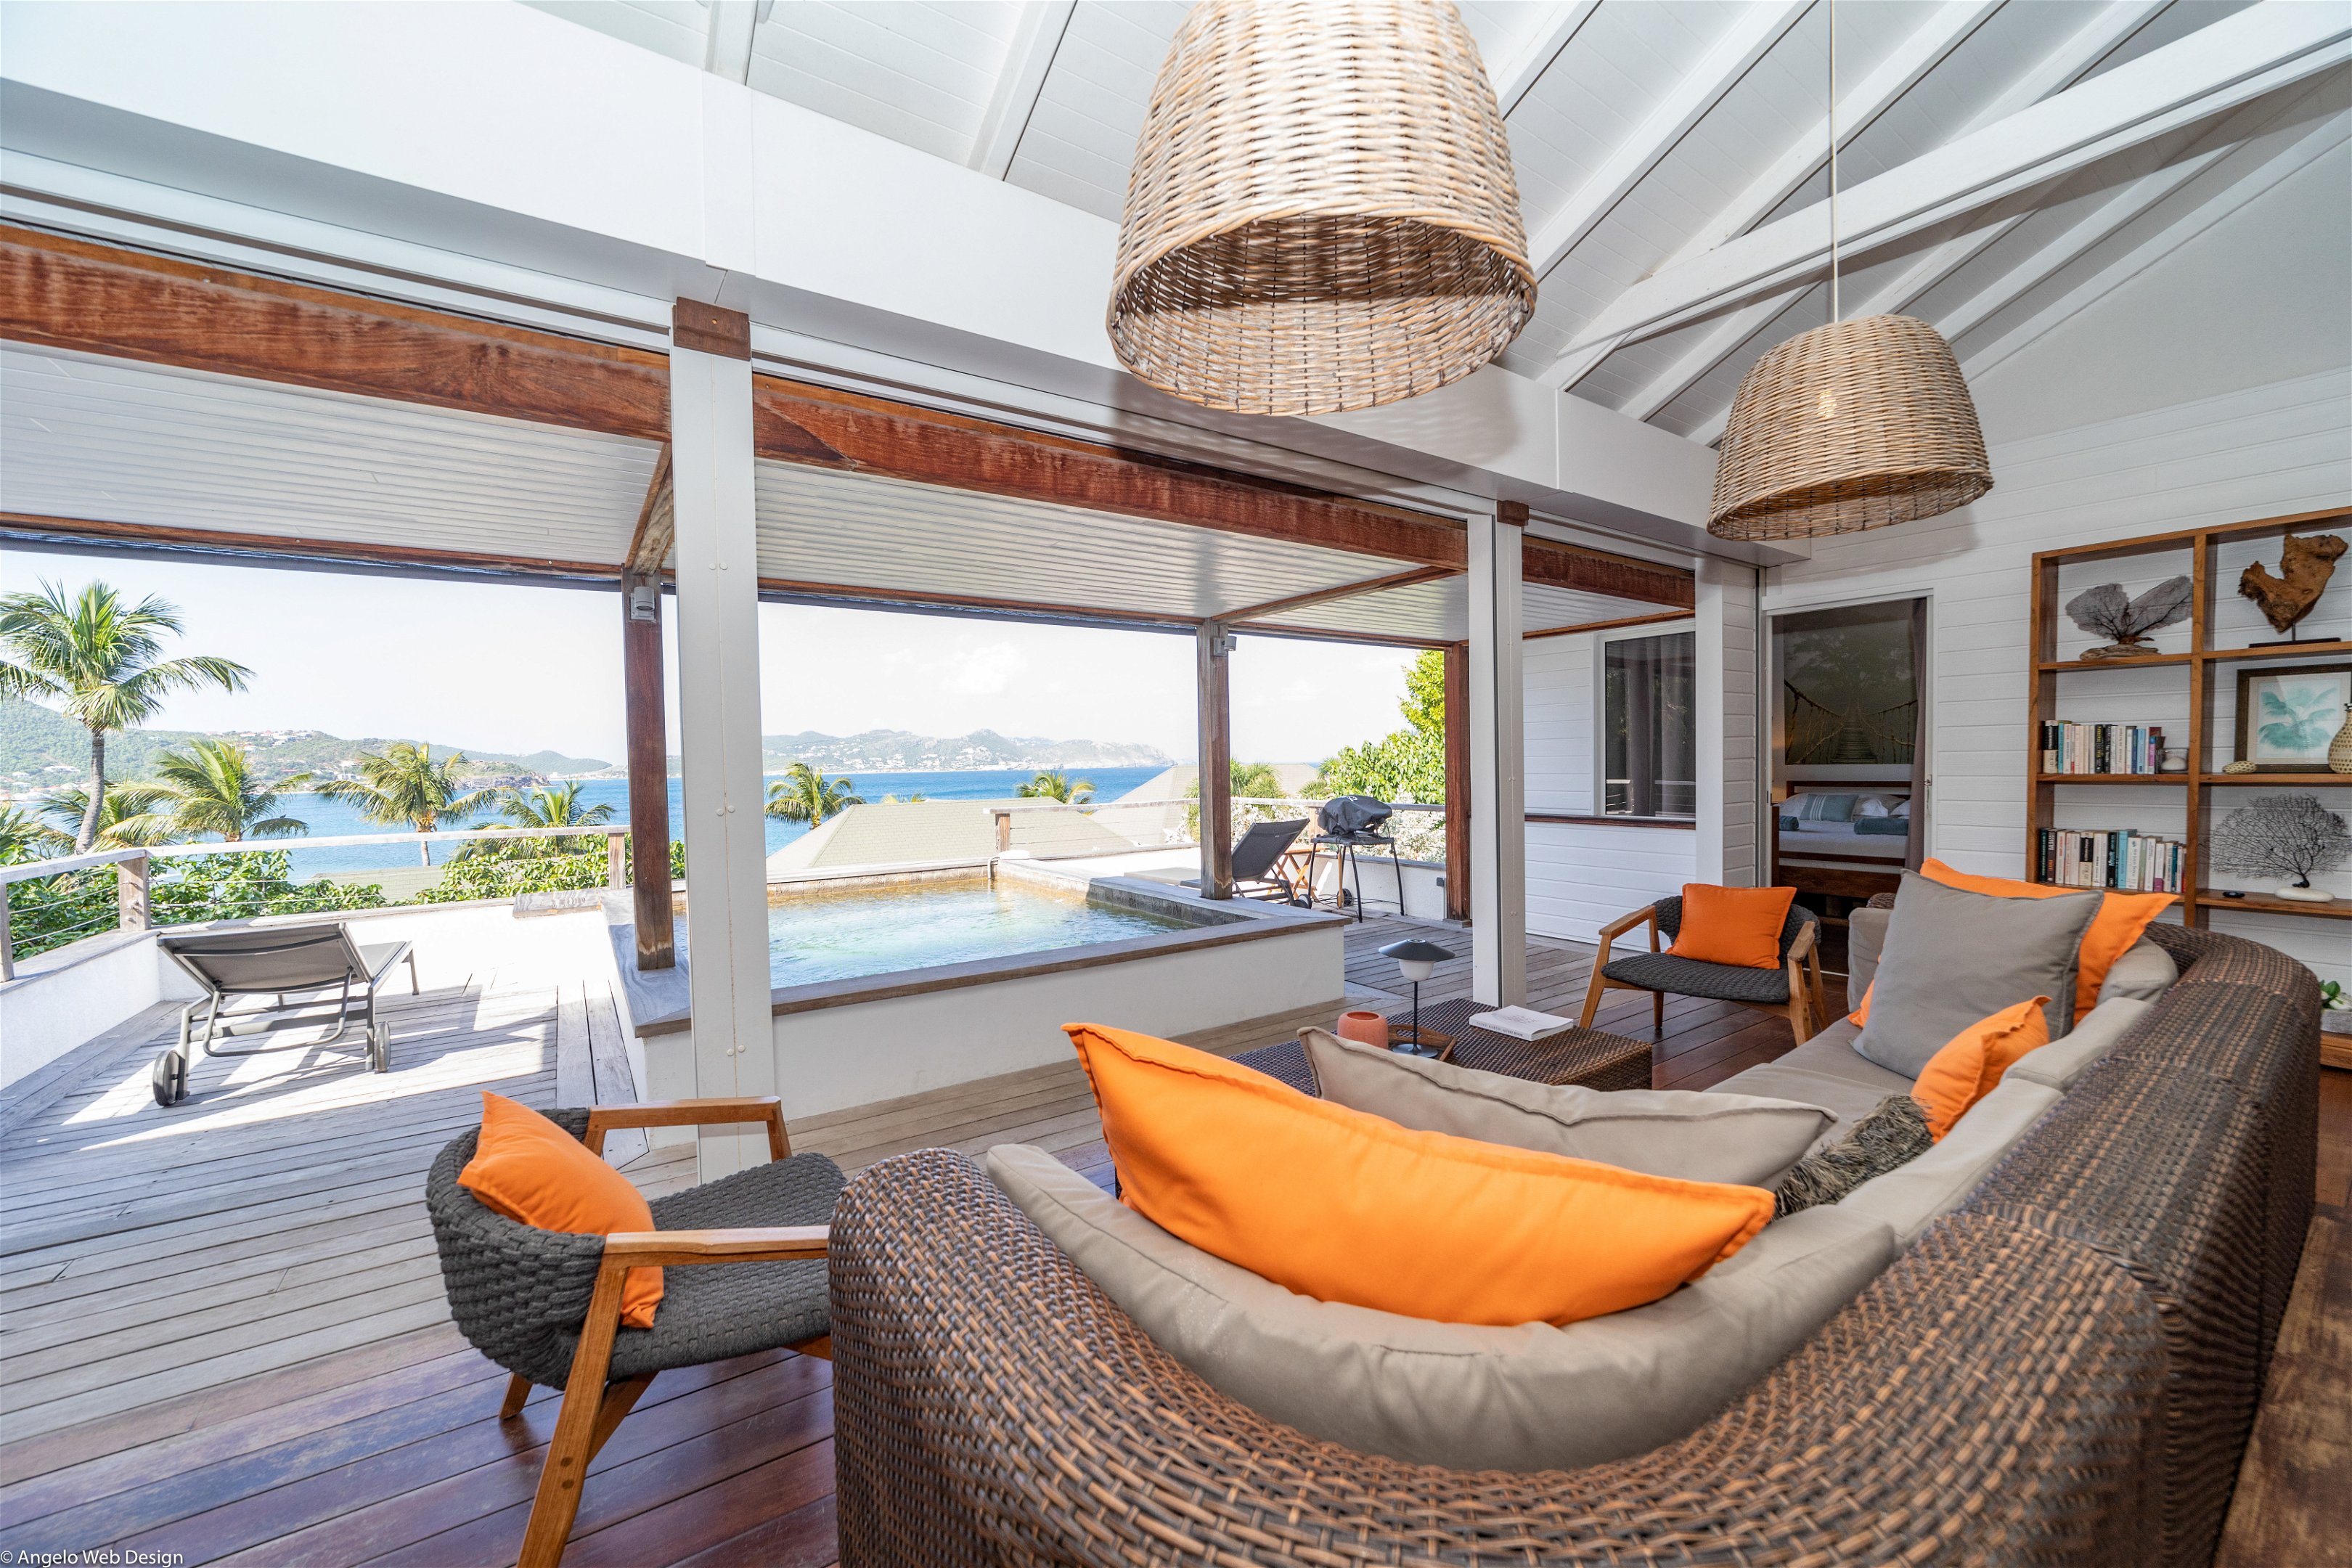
<point>1521,1023</point>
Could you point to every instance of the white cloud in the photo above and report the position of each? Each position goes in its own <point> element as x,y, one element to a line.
<point>982,671</point>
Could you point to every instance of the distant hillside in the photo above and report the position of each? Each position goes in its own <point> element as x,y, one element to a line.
<point>39,746</point>
<point>898,751</point>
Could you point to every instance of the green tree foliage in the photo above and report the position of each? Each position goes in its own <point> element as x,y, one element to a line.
<point>55,910</point>
<point>1057,786</point>
<point>549,805</point>
<point>127,819</point>
<point>210,787</point>
<point>21,838</point>
<point>1407,764</point>
<point>1247,781</point>
<point>805,794</point>
<point>101,659</point>
<point>488,877</point>
<point>406,786</point>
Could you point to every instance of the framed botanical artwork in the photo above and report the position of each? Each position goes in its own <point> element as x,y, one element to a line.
<point>2287,717</point>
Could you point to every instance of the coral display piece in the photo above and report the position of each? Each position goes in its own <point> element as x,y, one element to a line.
<point>2286,836</point>
<point>2106,611</point>
<point>2305,567</point>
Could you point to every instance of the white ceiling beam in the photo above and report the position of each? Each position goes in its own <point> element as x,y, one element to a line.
<point>1754,30</point>
<point>2105,32</point>
<point>1019,82</point>
<point>1532,54</point>
<point>2314,144</point>
<point>2258,50</point>
<point>727,38</point>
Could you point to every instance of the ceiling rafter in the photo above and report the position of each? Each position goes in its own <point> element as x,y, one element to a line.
<point>1020,83</point>
<point>727,36</point>
<point>1343,590</point>
<point>2108,30</point>
<point>1534,54</point>
<point>1753,32</point>
<point>657,530</point>
<point>2241,57</point>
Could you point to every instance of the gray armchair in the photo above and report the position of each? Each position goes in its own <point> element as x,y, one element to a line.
<point>1792,991</point>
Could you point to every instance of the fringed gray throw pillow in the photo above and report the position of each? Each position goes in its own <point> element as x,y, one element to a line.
<point>1890,1136</point>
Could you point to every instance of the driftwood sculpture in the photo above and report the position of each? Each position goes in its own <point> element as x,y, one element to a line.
<point>2306,565</point>
<point>2106,611</point>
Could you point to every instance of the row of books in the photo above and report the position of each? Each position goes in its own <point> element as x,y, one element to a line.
<point>2133,862</point>
<point>2070,748</point>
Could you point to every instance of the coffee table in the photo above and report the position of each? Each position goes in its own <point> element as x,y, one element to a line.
<point>1592,1059</point>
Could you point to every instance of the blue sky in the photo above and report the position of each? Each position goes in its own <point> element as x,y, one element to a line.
<point>499,667</point>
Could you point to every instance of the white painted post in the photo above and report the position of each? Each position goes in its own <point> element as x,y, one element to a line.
<point>718,721</point>
<point>1498,824</point>
<point>1725,650</point>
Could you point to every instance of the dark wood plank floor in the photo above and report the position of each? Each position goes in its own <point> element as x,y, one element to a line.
<point>390,1453</point>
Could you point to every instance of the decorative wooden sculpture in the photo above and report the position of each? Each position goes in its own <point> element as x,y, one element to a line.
<point>2106,611</point>
<point>2306,564</point>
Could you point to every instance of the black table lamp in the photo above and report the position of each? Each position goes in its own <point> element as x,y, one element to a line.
<point>1416,959</point>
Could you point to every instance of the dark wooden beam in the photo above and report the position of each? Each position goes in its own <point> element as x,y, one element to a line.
<point>1548,564</point>
<point>33,528</point>
<point>1326,634</point>
<point>794,423</point>
<point>1458,781</point>
<point>1216,764</point>
<point>1344,591</point>
<point>709,330</point>
<point>657,529</point>
<point>647,718</point>
<point>66,294</point>
<point>1607,626</point>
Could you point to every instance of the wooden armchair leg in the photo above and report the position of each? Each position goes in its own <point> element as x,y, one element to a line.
<point>517,1390</point>
<point>579,1427</point>
<point>620,1398</point>
<point>1593,996</point>
<point>1657,1015</point>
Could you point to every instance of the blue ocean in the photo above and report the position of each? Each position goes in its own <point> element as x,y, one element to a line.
<point>331,818</point>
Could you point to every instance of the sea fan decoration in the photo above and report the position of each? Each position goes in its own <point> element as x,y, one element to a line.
<point>2284,836</point>
<point>2108,612</point>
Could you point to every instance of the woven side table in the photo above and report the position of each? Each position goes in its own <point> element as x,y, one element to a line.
<point>1592,1059</point>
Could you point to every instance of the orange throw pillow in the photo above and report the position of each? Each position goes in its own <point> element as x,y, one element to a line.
<point>1738,926</point>
<point>1862,1015</point>
<point>1346,1206</point>
<point>530,1170</point>
<point>2122,918</point>
<point>1967,1069</point>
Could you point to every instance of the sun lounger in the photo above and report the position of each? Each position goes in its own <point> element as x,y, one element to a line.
<point>304,963</point>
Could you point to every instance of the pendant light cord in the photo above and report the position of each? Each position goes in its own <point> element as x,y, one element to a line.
<point>1836,309</point>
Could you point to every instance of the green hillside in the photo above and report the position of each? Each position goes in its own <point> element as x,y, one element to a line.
<point>39,746</point>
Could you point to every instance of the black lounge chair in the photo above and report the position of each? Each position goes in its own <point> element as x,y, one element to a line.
<point>303,962</point>
<point>1792,991</point>
<point>1258,862</point>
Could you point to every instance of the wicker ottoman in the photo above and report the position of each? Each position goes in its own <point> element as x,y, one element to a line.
<point>1592,1059</point>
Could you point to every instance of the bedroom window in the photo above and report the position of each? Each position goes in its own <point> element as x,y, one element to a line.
<point>1649,729</point>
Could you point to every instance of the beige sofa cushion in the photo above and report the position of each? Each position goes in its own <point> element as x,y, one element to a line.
<point>1526,1398</point>
<point>2060,1063</point>
<point>2143,973</point>
<point>1831,1051</point>
<point>1865,939</point>
<point>1907,1198</point>
<point>1665,1132</point>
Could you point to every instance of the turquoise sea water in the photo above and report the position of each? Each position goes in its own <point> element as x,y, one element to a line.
<point>330,818</point>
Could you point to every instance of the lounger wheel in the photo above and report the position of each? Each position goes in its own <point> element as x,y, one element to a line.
<point>171,1079</point>
<point>379,1047</point>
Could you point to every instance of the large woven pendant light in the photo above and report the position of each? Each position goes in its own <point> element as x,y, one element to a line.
<point>1855,425</point>
<point>1321,213</point>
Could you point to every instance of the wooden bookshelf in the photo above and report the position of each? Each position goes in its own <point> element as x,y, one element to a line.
<point>2202,663</point>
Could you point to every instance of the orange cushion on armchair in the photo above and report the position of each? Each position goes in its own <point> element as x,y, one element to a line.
<point>534,1172</point>
<point>1343,1205</point>
<point>1737,926</point>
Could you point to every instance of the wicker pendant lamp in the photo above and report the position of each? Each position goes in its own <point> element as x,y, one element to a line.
<point>1855,425</point>
<point>1321,215</point>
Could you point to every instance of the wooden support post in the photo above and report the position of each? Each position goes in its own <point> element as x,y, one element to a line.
<point>648,760</point>
<point>1216,646</point>
<point>718,573</point>
<point>131,894</point>
<point>1499,825</point>
<point>1457,781</point>
<point>1004,830</point>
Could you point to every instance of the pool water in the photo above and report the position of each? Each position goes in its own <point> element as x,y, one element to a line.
<point>815,937</point>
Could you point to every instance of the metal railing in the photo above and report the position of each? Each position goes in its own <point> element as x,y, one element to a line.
<point>132,869</point>
<point>1421,838</point>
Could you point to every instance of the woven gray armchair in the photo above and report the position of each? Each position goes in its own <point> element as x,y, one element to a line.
<point>546,1305</point>
<point>1792,991</point>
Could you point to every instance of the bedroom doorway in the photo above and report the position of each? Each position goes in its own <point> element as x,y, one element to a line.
<point>1848,758</point>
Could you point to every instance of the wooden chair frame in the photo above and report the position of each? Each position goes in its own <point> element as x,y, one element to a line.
<point>1807,1008</point>
<point>593,1406</point>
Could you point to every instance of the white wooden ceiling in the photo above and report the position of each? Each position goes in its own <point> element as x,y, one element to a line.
<point>114,440</point>
<point>1644,133</point>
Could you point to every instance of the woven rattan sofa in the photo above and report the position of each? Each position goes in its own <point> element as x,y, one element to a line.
<point>2064,1371</point>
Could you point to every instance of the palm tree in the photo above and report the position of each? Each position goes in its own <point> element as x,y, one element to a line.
<point>100,658</point>
<point>406,786</point>
<point>212,789</point>
<point>805,794</point>
<point>1055,786</point>
<point>21,838</point>
<point>548,805</point>
<point>127,819</point>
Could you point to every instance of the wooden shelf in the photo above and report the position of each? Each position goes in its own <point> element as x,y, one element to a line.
<point>2303,780</point>
<point>2140,663</point>
<point>2294,650</point>
<point>2271,904</point>
<point>2111,778</point>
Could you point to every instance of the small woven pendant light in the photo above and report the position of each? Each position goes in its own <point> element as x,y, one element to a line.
<point>1852,425</point>
<point>1321,215</point>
